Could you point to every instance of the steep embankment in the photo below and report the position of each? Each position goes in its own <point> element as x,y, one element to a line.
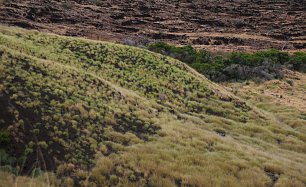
<point>96,113</point>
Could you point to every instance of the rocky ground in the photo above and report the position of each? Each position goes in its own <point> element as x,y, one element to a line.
<point>241,25</point>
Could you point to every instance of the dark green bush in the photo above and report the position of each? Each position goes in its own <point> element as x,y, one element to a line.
<point>4,137</point>
<point>186,54</point>
<point>264,65</point>
<point>6,159</point>
<point>298,61</point>
<point>256,59</point>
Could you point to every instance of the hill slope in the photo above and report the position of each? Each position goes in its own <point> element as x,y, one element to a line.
<point>96,113</point>
<point>216,25</point>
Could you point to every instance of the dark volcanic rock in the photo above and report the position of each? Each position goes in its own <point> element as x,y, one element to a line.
<point>266,23</point>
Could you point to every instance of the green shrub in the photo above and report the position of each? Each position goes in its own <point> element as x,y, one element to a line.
<point>42,144</point>
<point>186,54</point>
<point>256,59</point>
<point>234,66</point>
<point>6,159</point>
<point>298,61</point>
<point>4,137</point>
<point>37,172</point>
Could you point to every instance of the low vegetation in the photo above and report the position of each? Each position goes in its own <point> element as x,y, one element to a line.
<point>77,112</point>
<point>262,65</point>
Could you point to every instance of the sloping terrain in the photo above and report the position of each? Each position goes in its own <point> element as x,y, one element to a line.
<point>215,25</point>
<point>101,114</point>
<point>289,91</point>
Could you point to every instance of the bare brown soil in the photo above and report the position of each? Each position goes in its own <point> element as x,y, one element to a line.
<point>240,25</point>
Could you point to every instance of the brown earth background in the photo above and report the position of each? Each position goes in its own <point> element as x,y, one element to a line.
<point>217,25</point>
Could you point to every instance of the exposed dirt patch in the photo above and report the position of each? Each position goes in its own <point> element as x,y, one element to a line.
<point>241,25</point>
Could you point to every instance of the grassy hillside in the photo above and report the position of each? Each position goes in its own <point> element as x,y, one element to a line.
<point>86,113</point>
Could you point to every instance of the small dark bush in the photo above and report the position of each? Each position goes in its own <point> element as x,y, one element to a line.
<point>186,54</point>
<point>4,137</point>
<point>221,132</point>
<point>298,62</point>
<point>6,159</point>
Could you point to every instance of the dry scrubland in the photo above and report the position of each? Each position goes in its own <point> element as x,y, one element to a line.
<point>99,114</point>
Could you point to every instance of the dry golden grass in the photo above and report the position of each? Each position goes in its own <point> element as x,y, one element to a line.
<point>9,180</point>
